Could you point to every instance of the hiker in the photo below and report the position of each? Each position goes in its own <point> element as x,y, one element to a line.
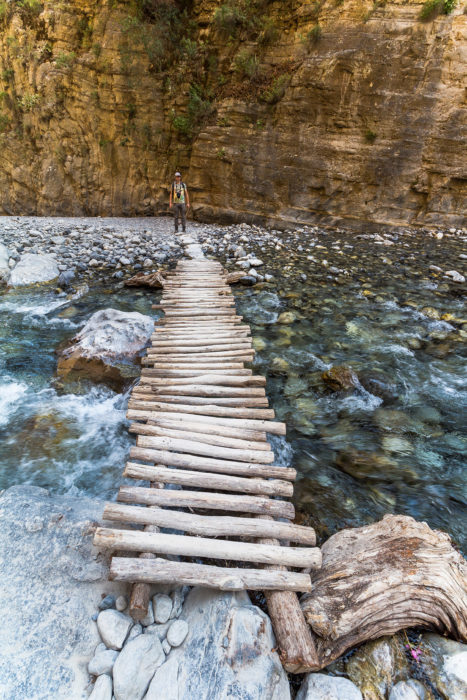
<point>180,200</point>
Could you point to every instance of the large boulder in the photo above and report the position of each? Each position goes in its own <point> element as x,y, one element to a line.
<point>52,580</point>
<point>228,653</point>
<point>33,269</point>
<point>107,347</point>
<point>4,268</point>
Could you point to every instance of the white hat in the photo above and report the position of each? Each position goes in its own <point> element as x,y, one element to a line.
<point>177,174</point>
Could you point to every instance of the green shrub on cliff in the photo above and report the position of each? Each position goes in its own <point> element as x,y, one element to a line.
<point>246,64</point>
<point>199,108</point>
<point>276,91</point>
<point>433,8</point>
<point>4,122</point>
<point>65,60</point>
<point>230,18</point>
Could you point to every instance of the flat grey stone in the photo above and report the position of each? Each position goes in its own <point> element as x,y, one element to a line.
<point>136,665</point>
<point>102,662</point>
<point>102,689</point>
<point>319,686</point>
<point>227,653</point>
<point>177,633</point>
<point>113,627</point>
<point>52,579</point>
<point>162,605</point>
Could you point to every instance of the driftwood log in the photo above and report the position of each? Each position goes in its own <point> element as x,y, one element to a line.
<point>153,280</point>
<point>378,579</point>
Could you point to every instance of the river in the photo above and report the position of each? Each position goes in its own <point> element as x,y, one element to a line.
<point>392,443</point>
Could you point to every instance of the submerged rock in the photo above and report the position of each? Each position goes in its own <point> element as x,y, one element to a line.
<point>372,465</point>
<point>340,378</point>
<point>33,269</point>
<point>228,653</point>
<point>287,317</point>
<point>377,383</point>
<point>108,341</point>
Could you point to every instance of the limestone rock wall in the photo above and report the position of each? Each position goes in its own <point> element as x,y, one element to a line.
<point>285,111</point>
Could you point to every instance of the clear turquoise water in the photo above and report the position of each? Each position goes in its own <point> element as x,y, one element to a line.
<point>358,455</point>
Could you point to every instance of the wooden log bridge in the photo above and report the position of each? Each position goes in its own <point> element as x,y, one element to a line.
<point>201,420</point>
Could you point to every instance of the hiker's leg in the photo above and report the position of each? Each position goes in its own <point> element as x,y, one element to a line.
<point>183,212</point>
<point>176,213</point>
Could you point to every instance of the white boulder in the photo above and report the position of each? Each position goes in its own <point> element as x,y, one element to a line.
<point>102,662</point>
<point>136,665</point>
<point>102,689</point>
<point>106,346</point>
<point>228,653</point>
<point>113,627</point>
<point>33,269</point>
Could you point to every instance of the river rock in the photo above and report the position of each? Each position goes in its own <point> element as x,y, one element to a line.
<point>445,663</point>
<point>106,347</point>
<point>135,631</point>
<point>33,269</point>
<point>340,378</point>
<point>107,602</point>
<point>372,465</point>
<point>177,633</point>
<point>177,596</point>
<point>377,666</point>
<point>149,618</point>
<point>406,691</point>
<point>279,365</point>
<point>136,665</point>
<point>160,630</point>
<point>228,653</point>
<point>4,264</point>
<point>162,605</point>
<point>377,383</point>
<point>319,686</point>
<point>52,581</point>
<point>102,662</point>
<point>286,317</point>
<point>102,689</point>
<point>454,275</point>
<point>113,627</point>
<point>121,603</point>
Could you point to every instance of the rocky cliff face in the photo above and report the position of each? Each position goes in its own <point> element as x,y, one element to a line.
<point>285,111</point>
